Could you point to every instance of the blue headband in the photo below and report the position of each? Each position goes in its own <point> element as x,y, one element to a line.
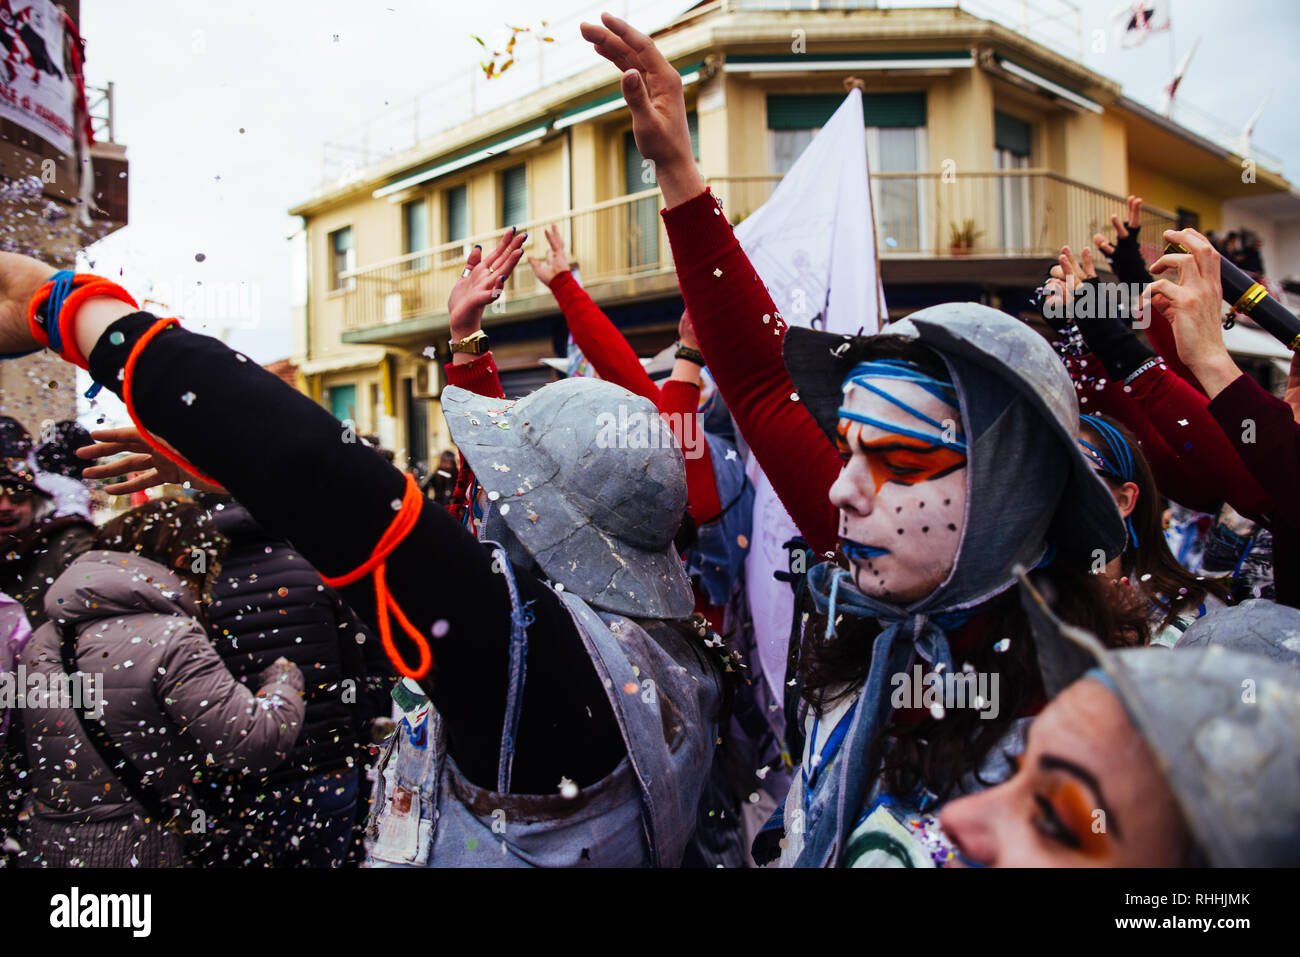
<point>1120,453</point>
<point>899,371</point>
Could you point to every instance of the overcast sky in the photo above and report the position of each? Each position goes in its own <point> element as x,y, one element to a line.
<point>224,106</point>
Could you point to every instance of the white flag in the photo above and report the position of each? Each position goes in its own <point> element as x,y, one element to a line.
<point>812,244</point>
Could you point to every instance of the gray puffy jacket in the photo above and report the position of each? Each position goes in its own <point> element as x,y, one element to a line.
<point>167,698</point>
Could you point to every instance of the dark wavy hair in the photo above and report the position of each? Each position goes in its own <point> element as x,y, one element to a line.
<point>1151,567</point>
<point>936,754</point>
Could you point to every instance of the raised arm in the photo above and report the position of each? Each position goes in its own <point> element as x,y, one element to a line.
<point>294,467</point>
<point>610,354</point>
<point>739,328</point>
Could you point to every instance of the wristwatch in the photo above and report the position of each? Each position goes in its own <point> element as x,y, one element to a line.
<point>474,345</point>
<point>689,354</point>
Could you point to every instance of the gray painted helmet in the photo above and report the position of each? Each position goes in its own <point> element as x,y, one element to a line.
<point>1224,726</point>
<point>1257,626</point>
<point>591,482</point>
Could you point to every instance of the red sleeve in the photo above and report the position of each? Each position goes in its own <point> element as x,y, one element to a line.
<point>1183,417</point>
<point>479,376</point>
<point>599,339</point>
<point>740,335</point>
<point>1173,477</point>
<point>678,401</point>
<point>1263,430</point>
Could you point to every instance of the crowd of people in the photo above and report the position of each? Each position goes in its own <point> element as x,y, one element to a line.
<point>996,658</point>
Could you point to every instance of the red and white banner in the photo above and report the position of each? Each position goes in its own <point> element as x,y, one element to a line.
<point>1137,21</point>
<point>35,89</point>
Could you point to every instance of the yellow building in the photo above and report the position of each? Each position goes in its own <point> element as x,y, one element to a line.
<point>968,120</point>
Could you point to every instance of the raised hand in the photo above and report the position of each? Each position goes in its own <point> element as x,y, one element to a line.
<point>1064,281</point>
<point>485,279</point>
<point>1195,308</point>
<point>1124,229</point>
<point>555,262</point>
<point>20,277</point>
<point>153,468</point>
<point>653,90</point>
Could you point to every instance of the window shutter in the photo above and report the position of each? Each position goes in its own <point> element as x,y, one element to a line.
<point>1011,134</point>
<point>457,213</point>
<point>809,111</point>
<point>514,193</point>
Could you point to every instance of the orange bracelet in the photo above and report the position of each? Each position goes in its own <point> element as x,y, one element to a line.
<point>85,286</point>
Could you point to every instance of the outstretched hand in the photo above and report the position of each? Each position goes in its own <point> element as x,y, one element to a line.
<point>653,91</point>
<point>1195,308</point>
<point>1122,229</point>
<point>555,262</point>
<point>20,277</point>
<point>1066,277</point>
<point>484,284</point>
<point>153,468</point>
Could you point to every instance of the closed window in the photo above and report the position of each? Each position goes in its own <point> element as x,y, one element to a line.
<point>514,195</point>
<point>343,258</point>
<point>456,209</point>
<point>415,232</point>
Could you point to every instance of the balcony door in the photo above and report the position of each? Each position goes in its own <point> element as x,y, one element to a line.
<point>643,215</point>
<point>1011,151</point>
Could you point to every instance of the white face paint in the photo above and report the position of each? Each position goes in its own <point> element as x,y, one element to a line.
<point>902,500</point>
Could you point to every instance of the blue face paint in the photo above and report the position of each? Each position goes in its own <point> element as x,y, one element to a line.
<point>894,370</point>
<point>857,552</point>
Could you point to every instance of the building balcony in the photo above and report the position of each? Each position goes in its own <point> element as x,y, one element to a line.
<point>1019,220</point>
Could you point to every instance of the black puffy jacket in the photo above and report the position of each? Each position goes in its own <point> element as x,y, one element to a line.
<point>269,601</point>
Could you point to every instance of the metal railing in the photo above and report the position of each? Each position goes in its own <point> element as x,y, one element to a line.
<point>621,238</point>
<point>1014,213</point>
<point>99,103</point>
<point>1025,212</point>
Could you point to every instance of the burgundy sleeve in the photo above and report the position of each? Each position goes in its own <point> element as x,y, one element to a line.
<point>599,339</point>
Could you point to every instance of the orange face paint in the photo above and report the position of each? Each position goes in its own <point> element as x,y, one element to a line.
<point>909,462</point>
<point>1077,813</point>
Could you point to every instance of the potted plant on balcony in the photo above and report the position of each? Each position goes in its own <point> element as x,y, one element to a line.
<point>963,237</point>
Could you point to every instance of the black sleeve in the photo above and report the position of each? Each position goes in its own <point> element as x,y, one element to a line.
<point>1127,263</point>
<point>1116,345</point>
<point>304,478</point>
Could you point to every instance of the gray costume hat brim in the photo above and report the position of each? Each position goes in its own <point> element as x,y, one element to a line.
<point>1223,725</point>
<point>818,363</point>
<point>599,521</point>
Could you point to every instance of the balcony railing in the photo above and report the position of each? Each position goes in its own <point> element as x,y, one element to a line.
<point>1016,214</point>
<point>99,103</point>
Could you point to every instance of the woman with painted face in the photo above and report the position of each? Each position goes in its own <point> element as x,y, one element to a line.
<point>1173,596</point>
<point>931,461</point>
<point>1157,758</point>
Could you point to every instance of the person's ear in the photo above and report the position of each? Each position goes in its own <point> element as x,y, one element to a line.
<point>1126,497</point>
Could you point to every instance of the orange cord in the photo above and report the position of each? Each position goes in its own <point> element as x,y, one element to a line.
<point>127,374</point>
<point>406,518</point>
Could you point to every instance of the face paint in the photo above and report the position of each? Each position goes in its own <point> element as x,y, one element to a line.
<point>901,496</point>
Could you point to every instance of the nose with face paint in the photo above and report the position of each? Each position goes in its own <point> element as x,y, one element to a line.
<point>902,492</point>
